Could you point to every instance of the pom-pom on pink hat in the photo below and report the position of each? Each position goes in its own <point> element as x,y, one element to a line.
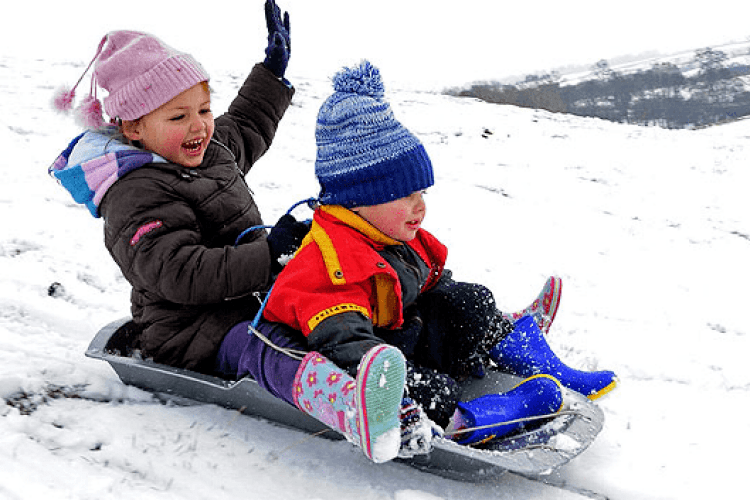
<point>140,73</point>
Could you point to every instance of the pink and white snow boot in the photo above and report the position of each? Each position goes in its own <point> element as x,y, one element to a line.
<point>366,411</point>
<point>544,308</point>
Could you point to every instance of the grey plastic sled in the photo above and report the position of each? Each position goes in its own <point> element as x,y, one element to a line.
<point>539,450</point>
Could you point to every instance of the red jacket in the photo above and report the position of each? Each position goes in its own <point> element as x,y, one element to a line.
<point>338,269</point>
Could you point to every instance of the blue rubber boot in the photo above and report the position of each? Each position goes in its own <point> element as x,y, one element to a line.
<point>525,352</point>
<point>497,415</point>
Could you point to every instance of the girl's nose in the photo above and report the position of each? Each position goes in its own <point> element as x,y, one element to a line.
<point>197,124</point>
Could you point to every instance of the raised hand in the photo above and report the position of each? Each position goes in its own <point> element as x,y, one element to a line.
<point>279,42</point>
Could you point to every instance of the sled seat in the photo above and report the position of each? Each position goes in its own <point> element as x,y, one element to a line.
<point>123,342</point>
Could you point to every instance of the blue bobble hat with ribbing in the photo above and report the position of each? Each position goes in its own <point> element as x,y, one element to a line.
<point>365,156</point>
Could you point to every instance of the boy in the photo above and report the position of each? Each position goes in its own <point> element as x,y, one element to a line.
<point>367,273</point>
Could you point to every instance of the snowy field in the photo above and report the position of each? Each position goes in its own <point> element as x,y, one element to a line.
<point>649,229</point>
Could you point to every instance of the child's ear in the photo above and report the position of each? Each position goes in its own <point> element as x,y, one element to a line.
<point>131,129</point>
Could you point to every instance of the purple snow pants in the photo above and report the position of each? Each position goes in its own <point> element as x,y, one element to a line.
<point>242,353</point>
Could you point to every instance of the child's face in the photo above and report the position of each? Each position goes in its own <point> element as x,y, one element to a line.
<point>179,130</point>
<point>400,219</point>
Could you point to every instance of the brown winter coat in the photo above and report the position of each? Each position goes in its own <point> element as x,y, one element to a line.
<point>172,231</point>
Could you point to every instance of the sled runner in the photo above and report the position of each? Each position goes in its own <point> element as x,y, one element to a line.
<point>540,449</point>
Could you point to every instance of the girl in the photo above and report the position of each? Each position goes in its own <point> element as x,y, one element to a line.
<point>169,181</point>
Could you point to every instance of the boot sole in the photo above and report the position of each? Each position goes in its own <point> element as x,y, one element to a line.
<point>604,391</point>
<point>554,301</point>
<point>380,388</point>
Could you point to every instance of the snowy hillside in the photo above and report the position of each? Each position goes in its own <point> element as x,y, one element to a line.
<point>649,229</point>
<point>738,54</point>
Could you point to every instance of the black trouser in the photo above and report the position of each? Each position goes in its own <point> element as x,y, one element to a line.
<point>460,323</point>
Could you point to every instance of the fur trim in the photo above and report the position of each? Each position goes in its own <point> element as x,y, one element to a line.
<point>62,101</point>
<point>89,113</point>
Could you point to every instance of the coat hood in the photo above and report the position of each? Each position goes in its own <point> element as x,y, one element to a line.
<point>93,161</point>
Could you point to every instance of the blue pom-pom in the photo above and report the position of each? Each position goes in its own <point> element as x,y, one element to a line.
<point>363,80</point>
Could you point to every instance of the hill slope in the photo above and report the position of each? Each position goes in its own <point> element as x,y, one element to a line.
<point>649,229</point>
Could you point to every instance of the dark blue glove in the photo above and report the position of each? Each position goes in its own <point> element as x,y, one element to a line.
<point>284,239</point>
<point>279,44</point>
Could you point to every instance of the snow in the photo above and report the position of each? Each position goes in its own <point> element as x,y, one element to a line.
<point>649,229</point>
<point>386,446</point>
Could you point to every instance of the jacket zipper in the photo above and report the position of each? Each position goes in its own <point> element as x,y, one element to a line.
<point>236,167</point>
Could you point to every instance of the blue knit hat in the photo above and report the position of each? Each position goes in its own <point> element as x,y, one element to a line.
<point>365,156</point>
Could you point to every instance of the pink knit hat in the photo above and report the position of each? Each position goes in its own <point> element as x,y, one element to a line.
<point>139,71</point>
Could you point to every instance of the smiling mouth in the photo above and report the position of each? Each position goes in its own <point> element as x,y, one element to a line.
<point>193,146</point>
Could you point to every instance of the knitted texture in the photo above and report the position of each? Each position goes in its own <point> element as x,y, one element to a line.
<point>141,73</point>
<point>365,156</point>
